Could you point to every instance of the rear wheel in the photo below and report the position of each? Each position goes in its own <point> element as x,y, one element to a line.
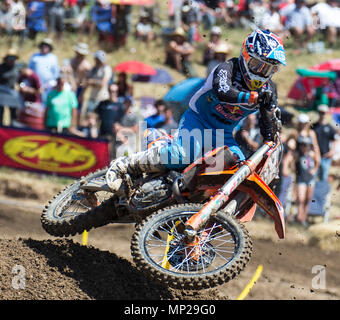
<point>74,210</point>
<point>222,251</point>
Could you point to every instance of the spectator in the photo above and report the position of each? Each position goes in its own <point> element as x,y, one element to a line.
<point>157,119</point>
<point>36,18</point>
<point>257,10</point>
<point>272,20</point>
<point>89,127</point>
<point>32,115</point>
<point>306,168</point>
<point>29,85</point>
<point>79,68</point>
<point>326,136</point>
<point>300,23</point>
<point>249,137</point>
<point>122,24</point>
<point>169,124</point>
<point>328,15</point>
<point>191,19</point>
<point>13,18</point>
<point>101,17</point>
<point>56,14</point>
<point>220,55</point>
<point>80,17</point>
<point>61,108</point>
<point>110,112</point>
<point>72,10</point>
<point>144,30</point>
<point>304,129</point>
<point>179,53</point>
<point>9,72</point>
<point>209,12</point>
<point>9,69</point>
<point>45,65</point>
<point>152,12</point>
<point>98,81</point>
<point>125,90</point>
<point>288,161</point>
<point>214,41</point>
<point>126,130</point>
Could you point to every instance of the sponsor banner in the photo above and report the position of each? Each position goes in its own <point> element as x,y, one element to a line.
<point>41,151</point>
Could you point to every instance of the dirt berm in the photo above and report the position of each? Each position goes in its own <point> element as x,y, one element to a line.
<point>62,269</point>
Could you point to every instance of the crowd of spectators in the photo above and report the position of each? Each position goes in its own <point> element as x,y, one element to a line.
<point>82,97</point>
<point>309,151</point>
<point>301,19</point>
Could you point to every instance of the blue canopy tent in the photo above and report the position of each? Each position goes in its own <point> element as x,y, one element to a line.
<point>10,98</point>
<point>178,96</point>
<point>161,77</point>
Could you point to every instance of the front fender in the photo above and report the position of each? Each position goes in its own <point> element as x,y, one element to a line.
<point>266,199</point>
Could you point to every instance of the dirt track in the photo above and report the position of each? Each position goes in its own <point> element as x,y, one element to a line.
<point>64,269</point>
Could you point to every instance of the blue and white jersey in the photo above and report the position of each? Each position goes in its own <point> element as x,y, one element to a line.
<point>224,99</point>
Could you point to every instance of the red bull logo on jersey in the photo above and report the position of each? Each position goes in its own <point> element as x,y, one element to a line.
<point>230,112</point>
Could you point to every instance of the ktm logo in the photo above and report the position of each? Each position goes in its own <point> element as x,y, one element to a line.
<point>49,153</point>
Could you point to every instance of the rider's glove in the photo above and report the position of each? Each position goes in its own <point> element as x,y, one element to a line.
<point>270,123</point>
<point>265,98</point>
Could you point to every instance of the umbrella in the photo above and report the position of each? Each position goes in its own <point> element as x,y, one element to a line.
<point>133,2</point>
<point>180,94</point>
<point>331,65</point>
<point>162,76</point>
<point>10,98</point>
<point>135,67</point>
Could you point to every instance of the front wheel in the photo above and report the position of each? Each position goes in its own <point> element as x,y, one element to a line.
<point>222,250</point>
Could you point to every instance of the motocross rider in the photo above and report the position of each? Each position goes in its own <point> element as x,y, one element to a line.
<point>232,91</point>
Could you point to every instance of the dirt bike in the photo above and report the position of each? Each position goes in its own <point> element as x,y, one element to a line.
<point>189,231</point>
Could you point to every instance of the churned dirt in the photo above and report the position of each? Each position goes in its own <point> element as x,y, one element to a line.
<point>36,266</point>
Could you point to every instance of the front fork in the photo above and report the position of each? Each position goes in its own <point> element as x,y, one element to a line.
<point>198,220</point>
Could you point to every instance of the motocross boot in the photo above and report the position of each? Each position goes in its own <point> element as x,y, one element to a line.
<point>138,163</point>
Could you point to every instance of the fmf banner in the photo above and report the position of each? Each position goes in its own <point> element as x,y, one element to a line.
<point>41,151</point>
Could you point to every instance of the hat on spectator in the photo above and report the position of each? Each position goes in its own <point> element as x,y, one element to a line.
<point>144,14</point>
<point>216,30</point>
<point>179,32</point>
<point>100,55</point>
<point>12,53</point>
<point>186,8</point>
<point>81,48</point>
<point>222,47</point>
<point>48,42</point>
<point>303,118</point>
<point>323,108</point>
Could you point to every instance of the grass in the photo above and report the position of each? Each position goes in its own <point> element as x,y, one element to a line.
<point>155,56</point>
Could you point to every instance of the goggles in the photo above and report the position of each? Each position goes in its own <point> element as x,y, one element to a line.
<point>261,68</point>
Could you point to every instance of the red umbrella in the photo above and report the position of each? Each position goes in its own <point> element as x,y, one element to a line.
<point>331,65</point>
<point>133,2</point>
<point>135,67</point>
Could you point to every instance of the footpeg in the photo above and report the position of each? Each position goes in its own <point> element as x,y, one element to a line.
<point>94,185</point>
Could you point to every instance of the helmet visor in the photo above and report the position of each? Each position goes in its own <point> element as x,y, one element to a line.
<point>261,68</point>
